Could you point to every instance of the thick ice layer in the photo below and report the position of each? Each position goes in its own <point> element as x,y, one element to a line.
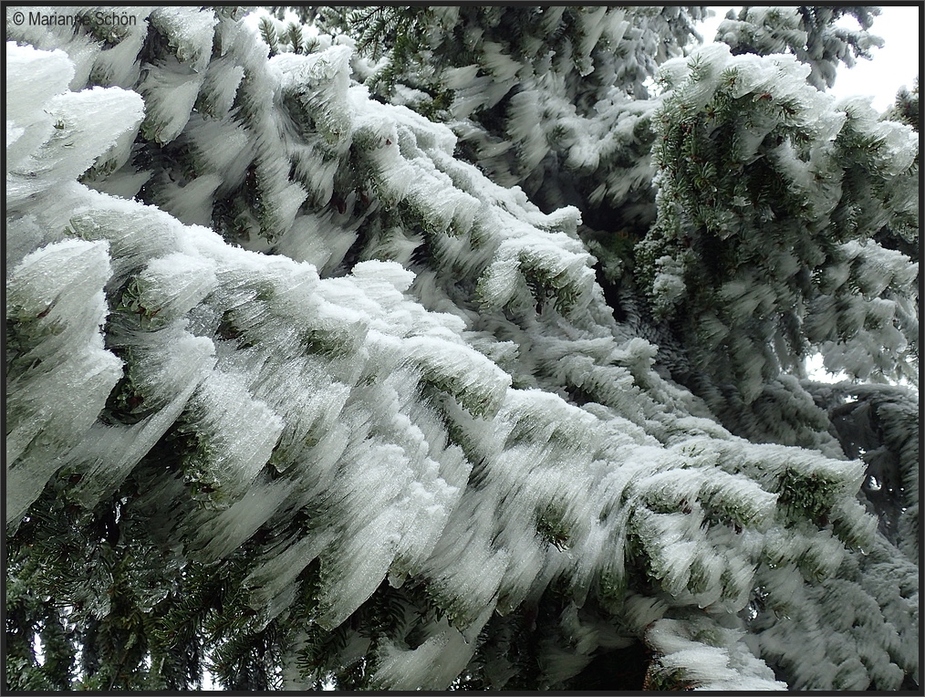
<point>117,65</point>
<point>272,579</point>
<point>170,91</point>
<point>73,129</point>
<point>32,78</point>
<point>864,321</point>
<point>217,536</point>
<point>221,85</point>
<point>431,666</point>
<point>239,431</point>
<point>709,656</point>
<point>58,374</point>
<point>476,382</point>
<point>811,638</point>
<point>464,570</point>
<point>192,203</point>
<point>174,284</point>
<point>108,453</point>
<point>190,31</point>
<point>223,146</point>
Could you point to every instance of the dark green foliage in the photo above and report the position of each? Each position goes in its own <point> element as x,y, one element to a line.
<point>30,617</point>
<point>906,107</point>
<point>733,213</point>
<point>143,616</point>
<point>90,587</point>
<point>398,30</point>
<point>804,496</point>
<point>23,334</point>
<point>294,37</point>
<point>126,402</point>
<point>269,36</point>
<point>536,46</point>
<point>660,680</point>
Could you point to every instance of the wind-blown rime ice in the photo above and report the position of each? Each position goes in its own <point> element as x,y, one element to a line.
<point>61,373</point>
<point>400,428</point>
<point>778,209</point>
<point>807,32</point>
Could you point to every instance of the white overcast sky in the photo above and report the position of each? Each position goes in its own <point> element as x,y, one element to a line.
<point>893,66</point>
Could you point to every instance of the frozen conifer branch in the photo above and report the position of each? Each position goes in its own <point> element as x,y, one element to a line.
<point>806,32</point>
<point>319,401</point>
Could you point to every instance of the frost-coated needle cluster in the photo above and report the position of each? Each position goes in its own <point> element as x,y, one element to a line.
<point>291,381</point>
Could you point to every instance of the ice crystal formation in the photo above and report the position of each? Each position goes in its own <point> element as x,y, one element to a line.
<point>429,348</point>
